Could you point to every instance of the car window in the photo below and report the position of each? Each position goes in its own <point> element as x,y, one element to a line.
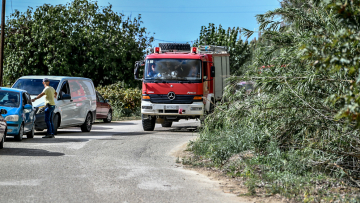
<point>9,99</point>
<point>101,99</point>
<point>28,98</point>
<point>24,100</point>
<point>97,97</point>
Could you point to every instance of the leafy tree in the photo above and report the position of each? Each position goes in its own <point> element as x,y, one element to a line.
<point>239,50</point>
<point>76,39</point>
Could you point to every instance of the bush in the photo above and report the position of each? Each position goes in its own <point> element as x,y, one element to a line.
<point>298,133</point>
<point>125,102</point>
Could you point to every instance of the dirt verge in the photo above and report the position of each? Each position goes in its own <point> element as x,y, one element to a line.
<point>226,184</point>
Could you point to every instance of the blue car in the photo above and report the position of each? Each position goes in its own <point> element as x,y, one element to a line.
<point>20,115</point>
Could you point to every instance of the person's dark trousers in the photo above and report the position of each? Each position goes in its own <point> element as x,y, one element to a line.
<point>49,111</point>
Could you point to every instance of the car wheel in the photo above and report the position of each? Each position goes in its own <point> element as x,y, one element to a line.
<point>56,123</point>
<point>19,136</point>
<point>148,125</point>
<point>108,117</point>
<point>31,133</point>
<point>166,124</point>
<point>2,142</point>
<point>86,127</point>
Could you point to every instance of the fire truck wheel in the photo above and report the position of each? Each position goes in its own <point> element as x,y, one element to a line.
<point>166,124</point>
<point>148,125</point>
<point>174,46</point>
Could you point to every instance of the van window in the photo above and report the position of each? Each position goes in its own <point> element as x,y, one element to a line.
<point>64,89</point>
<point>34,86</point>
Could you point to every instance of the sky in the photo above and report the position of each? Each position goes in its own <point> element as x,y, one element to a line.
<point>176,21</point>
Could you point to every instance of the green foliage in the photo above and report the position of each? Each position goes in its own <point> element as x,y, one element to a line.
<point>300,124</point>
<point>76,39</point>
<point>240,51</point>
<point>125,101</point>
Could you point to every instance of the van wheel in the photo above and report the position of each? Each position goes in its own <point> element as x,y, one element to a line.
<point>31,133</point>
<point>148,125</point>
<point>19,136</point>
<point>56,123</point>
<point>108,117</point>
<point>166,124</point>
<point>86,127</point>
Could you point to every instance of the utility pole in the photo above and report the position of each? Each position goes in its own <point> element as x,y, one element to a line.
<point>2,42</point>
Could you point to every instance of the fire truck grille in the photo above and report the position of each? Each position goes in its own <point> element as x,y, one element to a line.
<point>168,111</point>
<point>179,99</point>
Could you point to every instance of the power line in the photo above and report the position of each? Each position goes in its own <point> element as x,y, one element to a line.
<point>172,12</point>
<point>147,7</point>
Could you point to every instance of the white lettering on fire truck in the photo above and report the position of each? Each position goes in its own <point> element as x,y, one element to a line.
<point>191,93</point>
<point>150,92</point>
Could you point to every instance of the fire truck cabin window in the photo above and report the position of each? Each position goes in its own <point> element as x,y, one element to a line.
<point>173,69</point>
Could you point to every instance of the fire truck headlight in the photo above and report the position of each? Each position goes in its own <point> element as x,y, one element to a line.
<point>195,108</point>
<point>146,107</point>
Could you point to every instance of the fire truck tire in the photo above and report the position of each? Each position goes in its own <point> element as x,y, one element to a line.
<point>176,46</point>
<point>148,125</point>
<point>166,124</point>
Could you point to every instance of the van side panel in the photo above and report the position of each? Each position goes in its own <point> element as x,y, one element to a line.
<point>83,95</point>
<point>91,93</point>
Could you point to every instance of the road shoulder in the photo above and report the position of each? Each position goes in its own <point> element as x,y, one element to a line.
<point>224,184</point>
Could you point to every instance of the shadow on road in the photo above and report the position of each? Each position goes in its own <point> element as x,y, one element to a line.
<point>184,129</point>
<point>133,133</point>
<point>47,140</point>
<point>114,123</point>
<point>27,152</point>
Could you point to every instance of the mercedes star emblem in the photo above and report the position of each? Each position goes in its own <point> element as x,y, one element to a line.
<point>171,95</point>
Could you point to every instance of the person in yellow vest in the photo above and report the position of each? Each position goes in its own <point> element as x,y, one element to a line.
<point>50,95</point>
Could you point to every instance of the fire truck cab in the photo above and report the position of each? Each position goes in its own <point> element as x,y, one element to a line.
<point>181,82</point>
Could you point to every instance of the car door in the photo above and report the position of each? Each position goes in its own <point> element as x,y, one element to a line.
<point>103,106</point>
<point>26,113</point>
<point>32,111</point>
<point>99,113</point>
<point>66,106</point>
<point>2,126</point>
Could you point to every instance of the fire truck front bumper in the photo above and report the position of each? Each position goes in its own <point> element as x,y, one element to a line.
<point>194,109</point>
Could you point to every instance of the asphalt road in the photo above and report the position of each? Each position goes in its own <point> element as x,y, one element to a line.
<point>115,162</point>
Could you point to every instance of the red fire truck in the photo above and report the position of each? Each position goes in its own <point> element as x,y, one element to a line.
<point>181,82</point>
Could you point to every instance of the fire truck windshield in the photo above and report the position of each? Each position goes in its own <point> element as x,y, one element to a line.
<point>173,69</point>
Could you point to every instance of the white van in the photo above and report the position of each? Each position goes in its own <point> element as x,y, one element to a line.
<point>75,105</point>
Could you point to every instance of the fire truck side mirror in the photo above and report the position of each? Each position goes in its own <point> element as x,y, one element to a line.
<point>137,71</point>
<point>212,71</point>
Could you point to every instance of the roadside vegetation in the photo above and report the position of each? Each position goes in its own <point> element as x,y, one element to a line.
<point>126,102</point>
<point>296,134</point>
